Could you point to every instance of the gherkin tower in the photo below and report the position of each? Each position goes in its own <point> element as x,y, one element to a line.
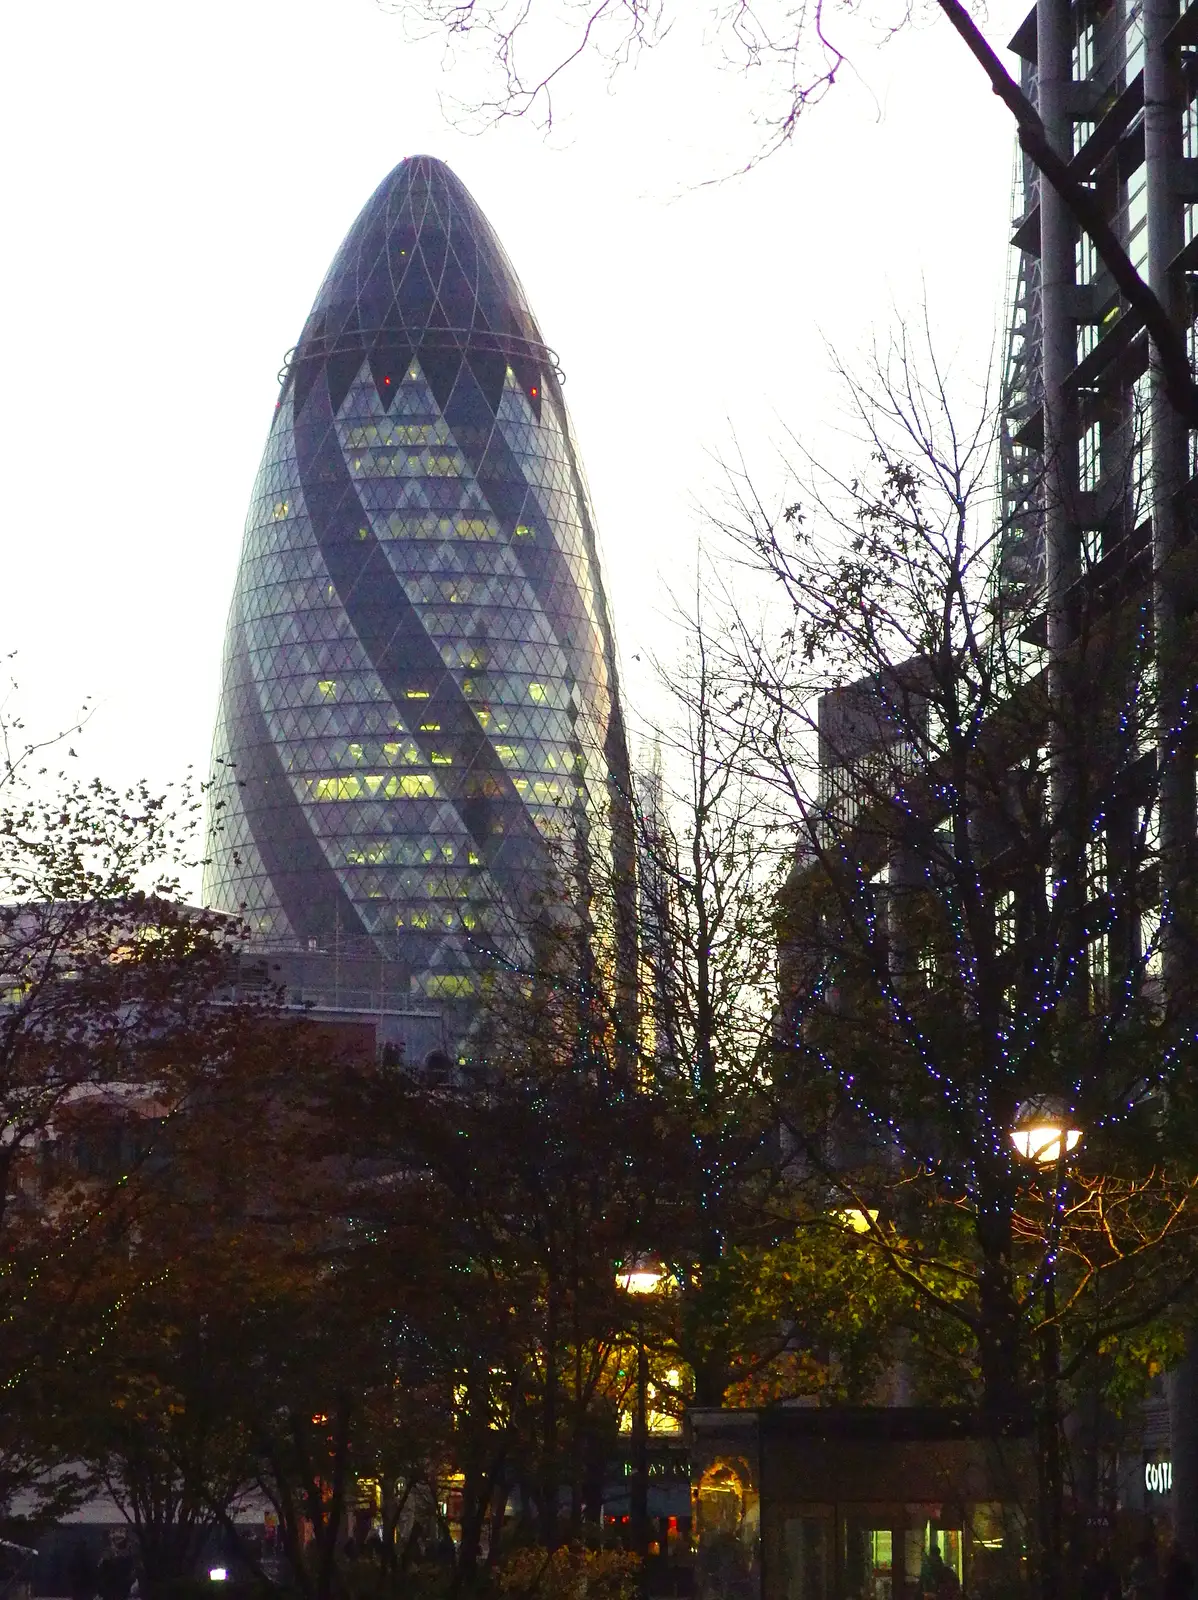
<point>419,742</point>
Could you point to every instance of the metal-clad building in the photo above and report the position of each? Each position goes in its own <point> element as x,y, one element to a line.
<point>1098,459</point>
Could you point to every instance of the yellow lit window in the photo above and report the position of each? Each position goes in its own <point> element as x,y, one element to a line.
<point>439,760</point>
<point>412,784</point>
<point>536,691</point>
<point>355,751</point>
<point>328,688</point>
<point>523,532</point>
<point>281,509</point>
<point>335,788</point>
<point>447,985</point>
<point>474,859</point>
<point>391,751</point>
<point>430,727</point>
<point>417,694</point>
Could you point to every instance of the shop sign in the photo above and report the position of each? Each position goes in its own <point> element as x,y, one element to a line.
<point>1158,1477</point>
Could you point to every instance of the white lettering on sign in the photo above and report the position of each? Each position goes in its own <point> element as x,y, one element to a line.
<point>1158,1477</point>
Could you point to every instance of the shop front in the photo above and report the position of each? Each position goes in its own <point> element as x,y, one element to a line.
<point>805,1503</point>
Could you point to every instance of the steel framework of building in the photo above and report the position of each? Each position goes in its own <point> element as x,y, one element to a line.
<point>1097,466</point>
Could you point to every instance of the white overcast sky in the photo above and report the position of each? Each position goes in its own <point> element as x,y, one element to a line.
<point>176,179</point>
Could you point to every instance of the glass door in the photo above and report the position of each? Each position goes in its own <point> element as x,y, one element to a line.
<point>806,1553</point>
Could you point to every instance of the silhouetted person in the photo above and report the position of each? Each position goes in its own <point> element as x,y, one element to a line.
<point>114,1577</point>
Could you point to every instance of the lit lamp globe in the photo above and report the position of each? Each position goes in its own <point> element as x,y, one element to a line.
<point>1044,1131</point>
<point>642,1275</point>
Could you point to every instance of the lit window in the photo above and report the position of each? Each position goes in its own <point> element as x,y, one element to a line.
<point>1090,457</point>
<point>448,985</point>
<point>1150,943</point>
<point>1004,920</point>
<point>412,784</point>
<point>536,691</point>
<point>328,688</point>
<point>417,694</point>
<point>1100,956</point>
<point>1085,259</point>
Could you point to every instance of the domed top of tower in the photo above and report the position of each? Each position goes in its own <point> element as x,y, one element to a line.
<point>420,265</point>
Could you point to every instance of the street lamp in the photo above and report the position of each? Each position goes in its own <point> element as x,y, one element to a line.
<point>1045,1133</point>
<point>640,1276</point>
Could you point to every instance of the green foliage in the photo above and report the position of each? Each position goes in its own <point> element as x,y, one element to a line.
<point>568,1573</point>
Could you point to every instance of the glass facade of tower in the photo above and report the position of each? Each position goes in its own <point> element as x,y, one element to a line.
<point>419,744</point>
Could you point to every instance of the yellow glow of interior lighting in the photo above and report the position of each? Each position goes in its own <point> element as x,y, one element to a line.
<point>856,1219</point>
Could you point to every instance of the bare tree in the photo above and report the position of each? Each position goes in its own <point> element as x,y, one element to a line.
<point>106,984</point>
<point>972,922</point>
<point>799,49</point>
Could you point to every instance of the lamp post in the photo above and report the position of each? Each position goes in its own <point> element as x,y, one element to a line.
<point>1044,1133</point>
<point>640,1277</point>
